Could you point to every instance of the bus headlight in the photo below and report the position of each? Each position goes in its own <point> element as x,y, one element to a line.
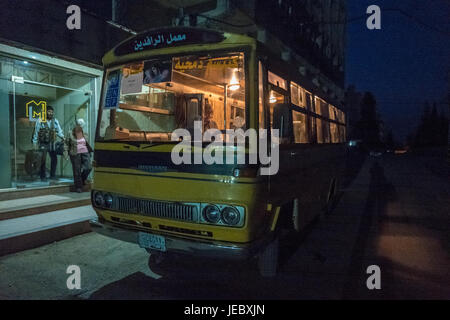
<point>108,200</point>
<point>99,200</point>
<point>211,214</point>
<point>230,216</point>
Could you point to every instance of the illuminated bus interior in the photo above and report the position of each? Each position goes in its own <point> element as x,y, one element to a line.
<point>160,95</point>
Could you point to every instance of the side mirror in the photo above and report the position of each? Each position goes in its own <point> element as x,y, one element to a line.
<point>282,120</point>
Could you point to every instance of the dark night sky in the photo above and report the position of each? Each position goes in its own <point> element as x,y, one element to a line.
<point>404,63</point>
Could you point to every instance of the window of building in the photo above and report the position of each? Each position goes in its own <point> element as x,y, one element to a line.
<point>300,127</point>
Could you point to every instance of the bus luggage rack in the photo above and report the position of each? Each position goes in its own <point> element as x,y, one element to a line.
<point>158,209</point>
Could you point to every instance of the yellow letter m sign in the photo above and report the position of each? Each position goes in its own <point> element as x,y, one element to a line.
<point>36,110</point>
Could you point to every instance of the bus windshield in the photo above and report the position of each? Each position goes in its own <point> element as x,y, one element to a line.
<point>148,100</point>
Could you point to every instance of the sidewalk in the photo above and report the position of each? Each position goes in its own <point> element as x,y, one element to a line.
<point>31,222</point>
<point>324,259</point>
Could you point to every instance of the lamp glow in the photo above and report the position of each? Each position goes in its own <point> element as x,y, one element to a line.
<point>272,98</point>
<point>234,83</point>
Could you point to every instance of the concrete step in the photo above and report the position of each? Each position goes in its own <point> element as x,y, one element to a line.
<point>39,229</point>
<point>22,207</point>
<point>45,189</point>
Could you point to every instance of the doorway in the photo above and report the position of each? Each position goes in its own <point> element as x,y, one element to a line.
<point>29,101</point>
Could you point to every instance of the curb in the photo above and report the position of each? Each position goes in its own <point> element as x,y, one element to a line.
<point>42,237</point>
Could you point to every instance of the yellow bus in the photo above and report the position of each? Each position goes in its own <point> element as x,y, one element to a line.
<point>171,78</point>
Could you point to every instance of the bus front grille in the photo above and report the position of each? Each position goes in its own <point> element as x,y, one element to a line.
<point>158,209</point>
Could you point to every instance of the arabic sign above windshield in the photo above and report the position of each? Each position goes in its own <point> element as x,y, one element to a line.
<point>165,38</point>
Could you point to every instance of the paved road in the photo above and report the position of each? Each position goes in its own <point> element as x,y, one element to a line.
<point>393,213</point>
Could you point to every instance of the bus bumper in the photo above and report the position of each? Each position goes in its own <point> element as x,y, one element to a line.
<point>198,247</point>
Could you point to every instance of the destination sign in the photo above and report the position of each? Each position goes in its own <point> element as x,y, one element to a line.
<point>168,37</point>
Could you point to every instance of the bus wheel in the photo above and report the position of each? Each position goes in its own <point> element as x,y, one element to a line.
<point>268,259</point>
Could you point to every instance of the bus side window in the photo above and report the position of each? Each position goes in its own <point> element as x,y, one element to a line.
<point>326,131</point>
<point>261,100</point>
<point>300,127</point>
<point>282,120</point>
<point>319,130</point>
<point>312,129</point>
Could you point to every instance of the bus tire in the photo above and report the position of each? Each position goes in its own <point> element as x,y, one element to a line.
<point>268,259</point>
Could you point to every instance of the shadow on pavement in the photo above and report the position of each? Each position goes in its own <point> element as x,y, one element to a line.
<point>192,284</point>
<point>380,193</point>
<point>221,280</point>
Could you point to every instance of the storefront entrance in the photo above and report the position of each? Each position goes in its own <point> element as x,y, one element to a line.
<point>27,90</point>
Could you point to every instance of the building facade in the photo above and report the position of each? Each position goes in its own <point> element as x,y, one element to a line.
<point>43,63</point>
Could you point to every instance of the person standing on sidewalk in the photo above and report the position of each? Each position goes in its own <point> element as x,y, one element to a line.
<point>44,139</point>
<point>78,148</point>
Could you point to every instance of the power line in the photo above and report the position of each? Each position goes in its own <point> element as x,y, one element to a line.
<point>362,17</point>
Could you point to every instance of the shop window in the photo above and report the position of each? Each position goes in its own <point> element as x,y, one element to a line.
<point>300,127</point>
<point>69,93</point>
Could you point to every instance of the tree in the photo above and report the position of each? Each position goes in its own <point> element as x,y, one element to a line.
<point>433,128</point>
<point>389,141</point>
<point>369,123</point>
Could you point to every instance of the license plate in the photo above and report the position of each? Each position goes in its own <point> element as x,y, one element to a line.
<point>151,241</point>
